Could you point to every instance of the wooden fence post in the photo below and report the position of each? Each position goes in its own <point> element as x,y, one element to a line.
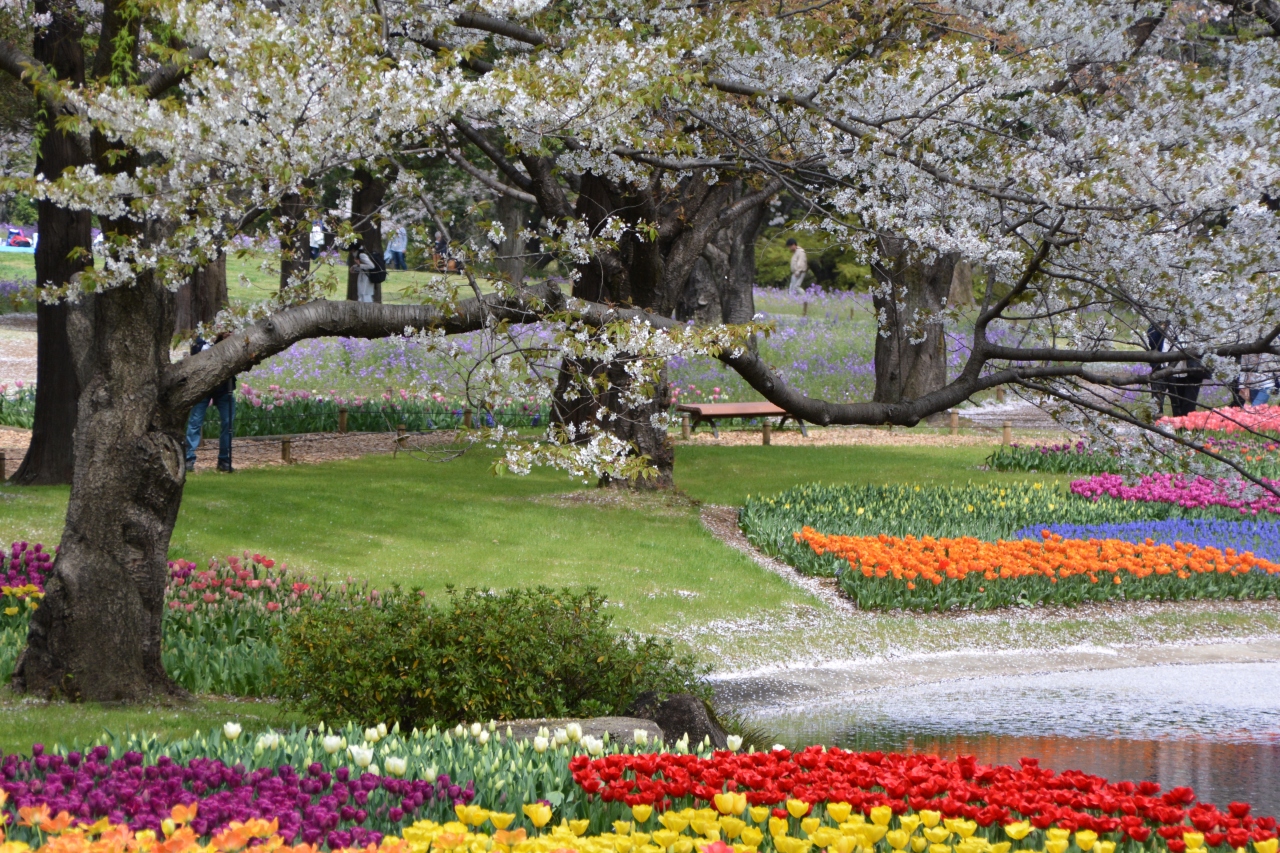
<point>685,430</point>
<point>955,422</point>
<point>286,450</point>
<point>1006,433</point>
<point>766,435</point>
<point>999,393</point>
<point>466,419</point>
<point>342,421</point>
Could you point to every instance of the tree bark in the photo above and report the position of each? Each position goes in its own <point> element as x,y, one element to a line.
<point>202,297</point>
<point>295,240</point>
<point>65,248</point>
<point>97,633</point>
<point>366,219</point>
<point>510,213</point>
<point>911,349</point>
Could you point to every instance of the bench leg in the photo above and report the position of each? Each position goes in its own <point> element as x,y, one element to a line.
<point>803,431</point>
<point>715,428</point>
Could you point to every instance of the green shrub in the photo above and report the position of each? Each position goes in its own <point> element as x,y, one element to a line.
<point>478,656</point>
<point>833,267</point>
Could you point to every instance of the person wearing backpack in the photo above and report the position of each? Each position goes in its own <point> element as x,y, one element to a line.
<point>370,271</point>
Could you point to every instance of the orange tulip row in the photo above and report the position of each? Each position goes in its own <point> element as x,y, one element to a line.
<point>931,560</point>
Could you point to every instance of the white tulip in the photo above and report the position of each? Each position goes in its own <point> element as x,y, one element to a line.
<point>371,736</point>
<point>382,730</point>
<point>734,742</point>
<point>540,744</point>
<point>373,768</point>
<point>593,745</point>
<point>395,765</point>
<point>543,732</point>
<point>493,725</point>
<point>641,737</point>
<point>268,740</point>
<point>682,745</point>
<point>430,774</point>
<point>231,731</point>
<point>331,743</point>
<point>362,756</point>
<point>574,731</point>
<point>460,731</point>
<point>476,728</point>
<point>777,747</point>
<point>483,738</point>
<point>561,737</point>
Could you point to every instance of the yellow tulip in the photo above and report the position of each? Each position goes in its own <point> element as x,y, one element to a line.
<point>810,825</point>
<point>1197,850</point>
<point>682,845</point>
<point>898,838</point>
<point>1193,839</point>
<point>702,814</point>
<point>1086,838</point>
<point>962,828</point>
<point>909,823</point>
<point>1019,830</point>
<point>845,844</point>
<point>1056,845</point>
<point>839,812</point>
<point>1058,834</point>
<point>579,827</point>
<point>918,844</point>
<point>930,818</point>
<point>622,827</point>
<point>871,833</point>
<point>167,826</point>
<point>501,820</point>
<point>939,848</point>
<point>937,834</point>
<point>1268,846</point>
<point>673,821</point>
<point>732,826</point>
<point>702,826</point>
<point>854,820</point>
<point>624,844</point>
<point>881,815</point>
<point>665,837</point>
<point>825,836</point>
<point>725,803</point>
<point>649,848</point>
<point>797,808</point>
<point>1105,847</point>
<point>641,813</point>
<point>539,814</point>
<point>777,826</point>
<point>752,836</point>
<point>1002,847</point>
<point>759,813</point>
<point>641,838</point>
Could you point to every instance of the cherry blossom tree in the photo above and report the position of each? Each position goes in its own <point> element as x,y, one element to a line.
<point>1103,181</point>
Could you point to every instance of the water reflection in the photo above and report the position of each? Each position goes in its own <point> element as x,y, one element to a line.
<point>1215,727</point>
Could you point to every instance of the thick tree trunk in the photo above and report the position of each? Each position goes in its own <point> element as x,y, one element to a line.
<point>366,219</point>
<point>64,250</point>
<point>720,287</point>
<point>911,349</point>
<point>97,633</point>
<point>511,253</point>
<point>202,297</point>
<point>295,241</point>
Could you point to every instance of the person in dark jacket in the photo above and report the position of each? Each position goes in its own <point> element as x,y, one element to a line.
<point>1184,387</point>
<point>224,398</point>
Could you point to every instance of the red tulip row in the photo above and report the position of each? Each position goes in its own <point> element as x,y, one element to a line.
<point>961,788</point>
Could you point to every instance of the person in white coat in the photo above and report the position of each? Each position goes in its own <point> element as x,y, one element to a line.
<point>799,266</point>
<point>360,261</point>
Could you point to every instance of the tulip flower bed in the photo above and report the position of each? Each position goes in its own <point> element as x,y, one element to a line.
<point>943,574</point>
<point>1237,497</point>
<point>987,512</point>
<point>220,627</point>
<point>1051,459</point>
<point>1261,538</point>
<point>1232,419</point>
<point>575,793</point>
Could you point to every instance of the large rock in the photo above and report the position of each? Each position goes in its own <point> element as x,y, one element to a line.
<point>621,729</point>
<point>679,715</point>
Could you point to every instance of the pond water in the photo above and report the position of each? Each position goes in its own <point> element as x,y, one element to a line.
<point>1215,727</point>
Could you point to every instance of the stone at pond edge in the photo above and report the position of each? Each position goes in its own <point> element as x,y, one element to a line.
<point>678,715</point>
<point>621,729</point>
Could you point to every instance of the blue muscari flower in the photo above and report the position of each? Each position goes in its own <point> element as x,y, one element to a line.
<point>1262,538</point>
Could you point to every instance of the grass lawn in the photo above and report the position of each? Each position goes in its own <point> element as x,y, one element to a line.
<point>433,524</point>
<point>24,722</point>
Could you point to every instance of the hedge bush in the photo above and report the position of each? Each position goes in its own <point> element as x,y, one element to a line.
<point>477,656</point>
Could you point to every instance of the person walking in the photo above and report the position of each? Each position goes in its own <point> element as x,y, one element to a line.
<point>316,240</point>
<point>1157,342</point>
<point>224,399</point>
<point>364,265</point>
<point>396,248</point>
<point>799,266</point>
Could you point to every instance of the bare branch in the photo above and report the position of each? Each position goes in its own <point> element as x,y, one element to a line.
<point>167,76</point>
<point>489,180</point>
<point>500,27</point>
<point>479,140</point>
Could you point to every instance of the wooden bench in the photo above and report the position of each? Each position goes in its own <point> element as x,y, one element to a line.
<point>712,412</point>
